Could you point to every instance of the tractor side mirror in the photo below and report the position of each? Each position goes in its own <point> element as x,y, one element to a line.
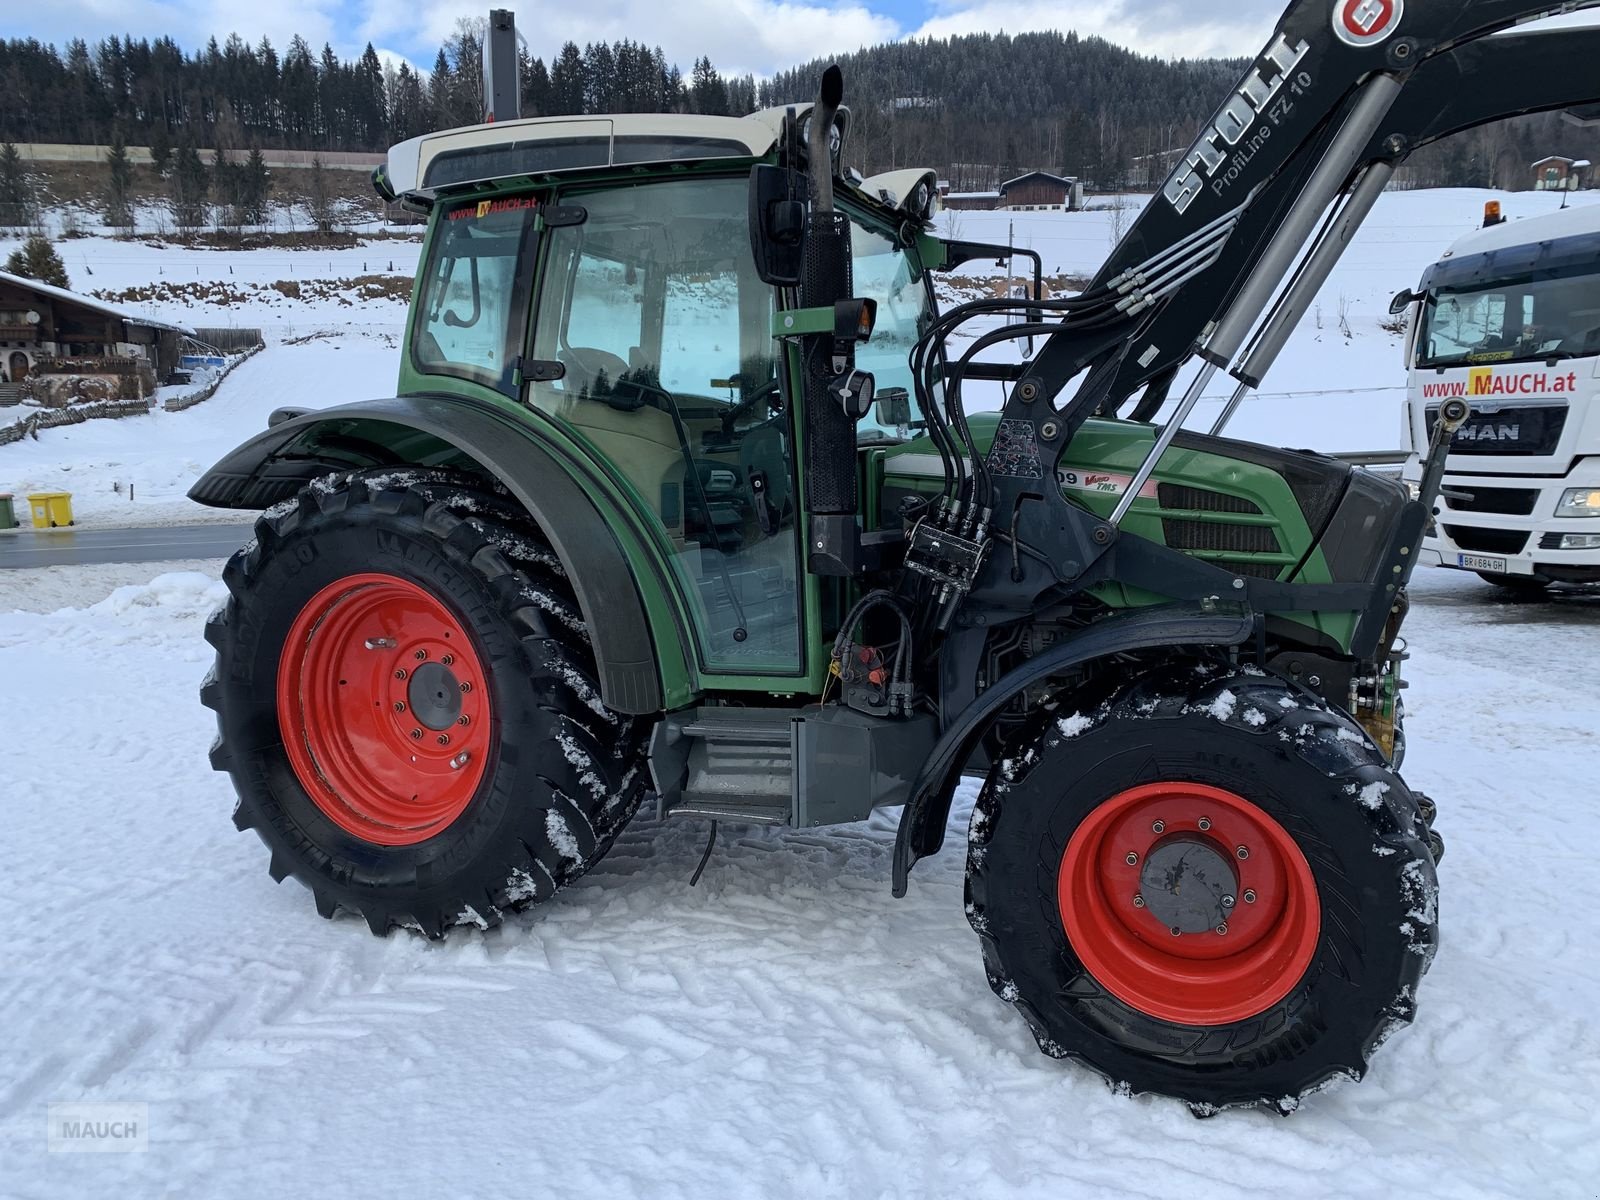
<point>1402,301</point>
<point>894,408</point>
<point>777,223</point>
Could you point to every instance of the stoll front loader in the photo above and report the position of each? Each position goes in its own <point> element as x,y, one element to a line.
<point>679,496</point>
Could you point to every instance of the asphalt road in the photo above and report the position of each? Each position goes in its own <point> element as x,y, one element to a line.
<point>66,547</point>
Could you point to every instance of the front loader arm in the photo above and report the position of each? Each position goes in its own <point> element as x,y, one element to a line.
<point>1471,84</point>
<point>1341,94</point>
<point>1235,188</point>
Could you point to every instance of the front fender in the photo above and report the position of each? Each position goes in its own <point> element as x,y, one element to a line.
<point>428,430</point>
<point>1208,623</point>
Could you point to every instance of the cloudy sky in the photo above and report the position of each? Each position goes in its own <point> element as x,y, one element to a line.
<point>740,35</point>
<point>759,36</point>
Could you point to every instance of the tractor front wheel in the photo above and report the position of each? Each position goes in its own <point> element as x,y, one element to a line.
<point>406,703</point>
<point>1210,886</point>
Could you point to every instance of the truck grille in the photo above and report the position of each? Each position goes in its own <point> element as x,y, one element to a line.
<point>1488,541</point>
<point>1516,502</point>
<point>1528,429</point>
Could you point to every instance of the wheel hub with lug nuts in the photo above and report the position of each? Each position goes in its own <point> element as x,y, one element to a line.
<point>1184,881</point>
<point>1188,903</point>
<point>356,723</point>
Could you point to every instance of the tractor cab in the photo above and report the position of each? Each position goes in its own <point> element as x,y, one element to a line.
<point>606,275</point>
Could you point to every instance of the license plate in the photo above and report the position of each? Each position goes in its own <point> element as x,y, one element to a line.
<point>1482,562</point>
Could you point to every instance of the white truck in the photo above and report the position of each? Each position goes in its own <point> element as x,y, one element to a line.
<point>1509,320</point>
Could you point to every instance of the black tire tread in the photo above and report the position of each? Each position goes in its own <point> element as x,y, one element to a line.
<point>1302,725</point>
<point>486,529</point>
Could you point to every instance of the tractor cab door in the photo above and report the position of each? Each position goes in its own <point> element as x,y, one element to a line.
<point>661,328</point>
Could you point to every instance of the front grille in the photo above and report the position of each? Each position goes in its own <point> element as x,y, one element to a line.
<point>1489,541</point>
<point>1177,495</point>
<point>1529,429</point>
<point>1215,535</point>
<point>1550,541</point>
<point>1516,502</point>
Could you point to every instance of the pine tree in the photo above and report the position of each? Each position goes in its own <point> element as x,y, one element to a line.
<point>707,92</point>
<point>160,148</point>
<point>37,259</point>
<point>255,186</point>
<point>119,211</point>
<point>566,83</point>
<point>190,183</point>
<point>319,196</point>
<point>16,192</point>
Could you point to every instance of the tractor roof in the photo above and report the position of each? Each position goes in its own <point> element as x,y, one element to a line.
<point>477,154</point>
<point>481,155</point>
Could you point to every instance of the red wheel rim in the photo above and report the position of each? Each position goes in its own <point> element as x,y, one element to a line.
<point>384,709</point>
<point>1131,845</point>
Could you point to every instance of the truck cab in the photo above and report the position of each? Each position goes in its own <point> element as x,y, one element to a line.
<point>1509,320</point>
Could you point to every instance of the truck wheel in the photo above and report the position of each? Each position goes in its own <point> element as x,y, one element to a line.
<point>1528,585</point>
<point>406,703</point>
<point>1210,886</point>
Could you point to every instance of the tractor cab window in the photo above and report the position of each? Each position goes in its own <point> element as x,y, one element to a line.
<point>663,332</point>
<point>892,275</point>
<point>475,292</point>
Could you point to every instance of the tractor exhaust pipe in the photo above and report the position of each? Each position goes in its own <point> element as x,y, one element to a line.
<point>819,138</point>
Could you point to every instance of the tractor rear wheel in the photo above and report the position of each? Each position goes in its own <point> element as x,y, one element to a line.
<point>406,703</point>
<point>1210,886</point>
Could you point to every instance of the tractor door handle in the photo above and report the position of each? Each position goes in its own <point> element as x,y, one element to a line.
<point>767,515</point>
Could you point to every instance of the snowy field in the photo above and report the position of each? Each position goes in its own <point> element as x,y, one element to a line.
<point>786,1028</point>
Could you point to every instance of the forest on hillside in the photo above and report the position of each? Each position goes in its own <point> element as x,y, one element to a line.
<point>978,108</point>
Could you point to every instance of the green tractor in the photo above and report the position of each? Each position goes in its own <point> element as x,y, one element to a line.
<point>678,500</point>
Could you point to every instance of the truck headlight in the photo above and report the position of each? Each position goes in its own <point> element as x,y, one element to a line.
<point>1579,502</point>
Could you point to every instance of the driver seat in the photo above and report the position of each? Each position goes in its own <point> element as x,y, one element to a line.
<point>641,443</point>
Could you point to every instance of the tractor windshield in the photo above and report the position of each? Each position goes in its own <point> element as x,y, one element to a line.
<point>893,276</point>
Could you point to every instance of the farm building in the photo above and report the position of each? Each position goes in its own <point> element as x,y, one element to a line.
<point>1033,191</point>
<point>1041,190</point>
<point>53,336</point>
<point>1557,174</point>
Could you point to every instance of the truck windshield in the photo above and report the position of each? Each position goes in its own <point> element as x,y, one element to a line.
<point>1516,320</point>
<point>892,275</point>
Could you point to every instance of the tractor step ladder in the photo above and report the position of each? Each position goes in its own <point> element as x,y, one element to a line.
<point>730,764</point>
<point>779,766</point>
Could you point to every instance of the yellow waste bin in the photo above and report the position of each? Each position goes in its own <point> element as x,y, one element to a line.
<point>50,509</point>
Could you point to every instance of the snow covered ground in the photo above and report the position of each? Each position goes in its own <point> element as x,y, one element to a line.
<point>163,453</point>
<point>785,1029</point>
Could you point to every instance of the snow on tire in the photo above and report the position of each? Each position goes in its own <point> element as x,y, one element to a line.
<point>406,703</point>
<point>1210,886</point>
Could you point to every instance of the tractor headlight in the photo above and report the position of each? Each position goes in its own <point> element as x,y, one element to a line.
<point>1579,502</point>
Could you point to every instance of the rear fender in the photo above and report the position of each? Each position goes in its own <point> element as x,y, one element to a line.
<point>1174,626</point>
<point>474,435</point>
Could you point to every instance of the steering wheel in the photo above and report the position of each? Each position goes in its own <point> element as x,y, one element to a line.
<point>769,395</point>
